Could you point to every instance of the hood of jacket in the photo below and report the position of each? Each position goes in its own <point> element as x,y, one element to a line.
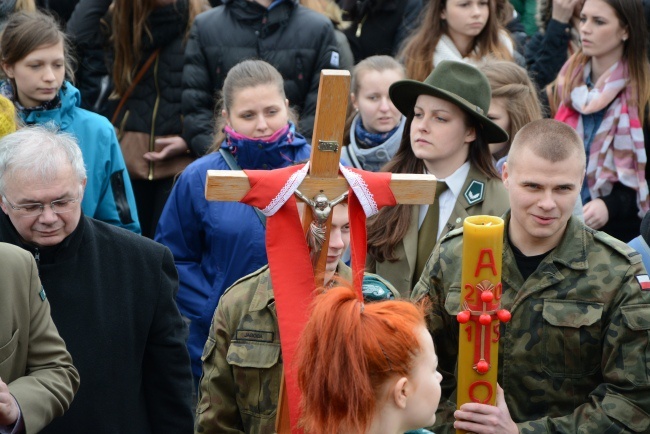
<point>262,19</point>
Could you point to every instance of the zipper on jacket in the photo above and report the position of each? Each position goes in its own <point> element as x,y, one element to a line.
<point>152,139</point>
<point>37,256</point>
<point>361,23</point>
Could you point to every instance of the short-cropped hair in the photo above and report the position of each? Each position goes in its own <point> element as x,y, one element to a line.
<point>549,139</point>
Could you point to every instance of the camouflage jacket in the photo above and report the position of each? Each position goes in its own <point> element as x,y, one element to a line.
<point>242,360</point>
<point>575,357</point>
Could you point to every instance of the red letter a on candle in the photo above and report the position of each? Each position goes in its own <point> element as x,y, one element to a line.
<point>491,264</point>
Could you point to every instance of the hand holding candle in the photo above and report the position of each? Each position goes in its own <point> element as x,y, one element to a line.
<point>480,313</point>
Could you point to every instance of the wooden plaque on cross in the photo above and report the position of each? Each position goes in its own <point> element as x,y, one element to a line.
<point>324,179</point>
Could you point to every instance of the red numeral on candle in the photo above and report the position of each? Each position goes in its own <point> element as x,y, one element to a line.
<point>498,291</point>
<point>476,384</point>
<point>468,329</point>
<point>469,296</point>
<point>497,332</point>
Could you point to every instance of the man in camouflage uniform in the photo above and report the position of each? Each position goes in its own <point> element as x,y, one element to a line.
<point>242,361</point>
<point>575,356</point>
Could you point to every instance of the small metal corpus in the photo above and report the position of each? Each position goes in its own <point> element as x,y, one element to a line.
<point>328,145</point>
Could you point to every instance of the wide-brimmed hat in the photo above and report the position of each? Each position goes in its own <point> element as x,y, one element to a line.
<point>457,82</point>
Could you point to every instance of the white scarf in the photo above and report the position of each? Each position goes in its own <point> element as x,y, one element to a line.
<point>446,50</point>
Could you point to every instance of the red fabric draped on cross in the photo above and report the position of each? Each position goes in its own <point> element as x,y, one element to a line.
<point>291,270</point>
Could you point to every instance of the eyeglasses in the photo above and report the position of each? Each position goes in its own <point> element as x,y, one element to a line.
<point>60,206</point>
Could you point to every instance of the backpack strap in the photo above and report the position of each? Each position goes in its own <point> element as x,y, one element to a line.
<point>232,163</point>
<point>134,83</point>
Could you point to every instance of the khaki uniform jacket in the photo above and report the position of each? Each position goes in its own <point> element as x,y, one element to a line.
<point>575,356</point>
<point>492,201</point>
<point>242,360</point>
<point>33,359</point>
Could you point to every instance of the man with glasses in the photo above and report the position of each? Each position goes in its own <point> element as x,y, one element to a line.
<point>111,291</point>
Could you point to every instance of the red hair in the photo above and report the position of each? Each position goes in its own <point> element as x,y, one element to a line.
<point>347,352</point>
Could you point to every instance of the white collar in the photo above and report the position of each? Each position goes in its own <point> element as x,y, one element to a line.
<point>456,180</point>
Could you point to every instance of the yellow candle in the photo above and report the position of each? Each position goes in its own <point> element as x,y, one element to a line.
<point>480,314</point>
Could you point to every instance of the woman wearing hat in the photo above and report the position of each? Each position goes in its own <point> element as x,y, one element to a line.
<point>447,132</point>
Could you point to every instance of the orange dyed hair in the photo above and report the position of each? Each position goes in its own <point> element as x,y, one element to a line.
<point>347,352</point>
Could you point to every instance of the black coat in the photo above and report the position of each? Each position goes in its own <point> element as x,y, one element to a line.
<point>155,104</point>
<point>112,299</point>
<point>379,26</point>
<point>297,41</point>
<point>546,53</point>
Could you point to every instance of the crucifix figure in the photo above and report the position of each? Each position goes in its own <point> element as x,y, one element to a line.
<point>295,270</point>
<point>321,209</point>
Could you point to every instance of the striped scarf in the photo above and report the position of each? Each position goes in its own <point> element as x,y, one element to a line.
<point>617,152</point>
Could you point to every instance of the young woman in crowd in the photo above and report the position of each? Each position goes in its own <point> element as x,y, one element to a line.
<point>216,243</point>
<point>603,92</point>
<point>446,134</point>
<point>462,30</point>
<point>382,378</point>
<point>35,60</point>
<point>374,128</point>
<point>514,102</point>
<point>154,106</point>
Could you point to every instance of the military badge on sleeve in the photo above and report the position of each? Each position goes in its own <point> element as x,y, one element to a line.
<point>474,192</point>
<point>41,293</point>
<point>644,281</point>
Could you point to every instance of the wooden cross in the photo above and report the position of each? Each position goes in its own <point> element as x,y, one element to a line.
<point>323,178</point>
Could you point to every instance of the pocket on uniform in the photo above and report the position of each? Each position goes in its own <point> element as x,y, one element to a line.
<point>8,349</point>
<point>571,338</point>
<point>452,301</point>
<point>257,371</point>
<point>636,351</point>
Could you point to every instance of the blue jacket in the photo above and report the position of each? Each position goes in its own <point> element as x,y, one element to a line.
<point>213,243</point>
<point>108,196</point>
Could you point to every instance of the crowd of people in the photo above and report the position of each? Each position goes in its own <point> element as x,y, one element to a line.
<point>131,304</point>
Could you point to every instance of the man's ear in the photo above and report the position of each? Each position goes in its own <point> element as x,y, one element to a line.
<point>400,392</point>
<point>4,207</point>
<point>83,188</point>
<point>504,175</point>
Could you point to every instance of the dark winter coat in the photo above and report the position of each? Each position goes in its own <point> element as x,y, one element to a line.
<point>297,41</point>
<point>380,26</point>
<point>112,299</point>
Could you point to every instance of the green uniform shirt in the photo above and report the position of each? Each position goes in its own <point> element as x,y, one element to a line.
<point>242,360</point>
<point>575,357</point>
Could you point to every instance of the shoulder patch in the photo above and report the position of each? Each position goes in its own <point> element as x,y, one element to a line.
<point>41,293</point>
<point>376,288</point>
<point>474,192</point>
<point>334,59</point>
<point>619,247</point>
<point>644,281</point>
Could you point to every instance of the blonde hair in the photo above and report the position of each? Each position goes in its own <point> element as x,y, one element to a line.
<point>25,6</point>
<point>328,8</point>
<point>511,83</point>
